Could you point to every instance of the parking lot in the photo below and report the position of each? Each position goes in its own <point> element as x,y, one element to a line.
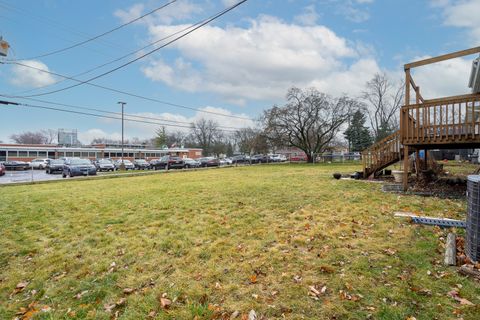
<point>29,176</point>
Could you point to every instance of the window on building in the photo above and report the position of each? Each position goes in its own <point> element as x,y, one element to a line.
<point>76,154</point>
<point>13,153</point>
<point>69,154</point>
<point>23,154</point>
<point>42,154</point>
<point>32,154</point>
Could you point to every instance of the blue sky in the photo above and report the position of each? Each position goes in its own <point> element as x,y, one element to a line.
<point>239,65</point>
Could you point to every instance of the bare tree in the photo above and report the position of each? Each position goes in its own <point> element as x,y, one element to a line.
<point>51,136</point>
<point>251,140</point>
<point>205,133</point>
<point>383,105</point>
<point>30,137</point>
<point>309,121</point>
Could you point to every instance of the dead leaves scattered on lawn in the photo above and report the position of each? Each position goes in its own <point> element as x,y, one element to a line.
<point>19,288</point>
<point>455,294</point>
<point>30,311</point>
<point>316,291</point>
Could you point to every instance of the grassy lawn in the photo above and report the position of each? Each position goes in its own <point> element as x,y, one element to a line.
<point>285,240</point>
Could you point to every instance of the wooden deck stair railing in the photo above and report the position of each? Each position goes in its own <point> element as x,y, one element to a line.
<point>381,155</point>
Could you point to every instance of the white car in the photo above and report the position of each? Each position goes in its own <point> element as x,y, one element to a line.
<point>39,163</point>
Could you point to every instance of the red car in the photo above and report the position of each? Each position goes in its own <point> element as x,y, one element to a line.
<point>298,158</point>
<point>2,169</point>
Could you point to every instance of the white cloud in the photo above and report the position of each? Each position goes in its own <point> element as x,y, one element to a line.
<point>229,3</point>
<point>171,121</point>
<point>443,79</point>
<point>27,77</point>
<point>86,137</point>
<point>261,61</point>
<point>462,14</point>
<point>309,17</point>
<point>353,13</point>
<point>177,11</point>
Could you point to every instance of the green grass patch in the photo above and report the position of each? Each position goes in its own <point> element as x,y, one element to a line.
<point>217,241</point>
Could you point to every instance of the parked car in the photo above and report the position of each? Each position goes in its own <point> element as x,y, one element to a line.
<point>54,165</point>
<point>16,165</point>
<point>104,165</point>
<point>2,169</point>
<point>127,163</point>
<point>209,162</point>
<point>300,157</point>
<point>278,158</point>
<point>240,159</point>
<point>168,162</point>
<point>191,163</point>
<point>260,158</point>
<point>141,164</point>
<point>228,161</point>
<point>78,167</point>
<point>39,163</point>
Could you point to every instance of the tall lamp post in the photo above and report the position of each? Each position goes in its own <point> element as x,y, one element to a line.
<point>122,165</point>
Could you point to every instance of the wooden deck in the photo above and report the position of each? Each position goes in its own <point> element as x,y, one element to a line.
<point>447,123</point>
<point>444,123</point>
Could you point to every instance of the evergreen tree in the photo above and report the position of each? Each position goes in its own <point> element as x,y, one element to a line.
<point>160,138</point>
<point>358,136</point>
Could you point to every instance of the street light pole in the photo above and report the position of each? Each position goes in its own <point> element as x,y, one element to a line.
<point>122,165</point>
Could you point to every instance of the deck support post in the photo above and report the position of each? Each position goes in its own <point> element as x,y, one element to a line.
<point>425,160</point>
<point>405,168</point>
<point>418,168</point>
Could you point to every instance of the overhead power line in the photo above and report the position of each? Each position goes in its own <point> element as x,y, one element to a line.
<point>81,82</point>
<point>198,25</point>
<point>18,104</point>
<point>176,105</point>
<point>115,60</point>
<point>98,36</point>
<point>117,113</point>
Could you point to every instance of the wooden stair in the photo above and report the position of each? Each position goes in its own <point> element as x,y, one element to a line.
<point>382,154</point>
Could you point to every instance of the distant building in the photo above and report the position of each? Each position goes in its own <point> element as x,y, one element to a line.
<point>68,138</point>
<point>28,152</point>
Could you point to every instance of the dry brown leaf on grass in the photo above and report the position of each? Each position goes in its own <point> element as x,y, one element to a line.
<point>165,303</point>
<point>253,278</point>
<point>80,294</point>
<point>390,251</point>
<point>20,286</point>
<point>31,310</point>
<point>110,307</point>
<point>327,269</point>
<point>456,295</point>
<point>128,290</point>
<point>316,291</point>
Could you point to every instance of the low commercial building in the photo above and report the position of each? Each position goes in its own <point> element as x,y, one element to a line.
<point>28,152</point>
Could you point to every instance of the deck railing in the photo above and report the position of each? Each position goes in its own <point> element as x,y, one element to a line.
<point>441,121</point>
<point>381,153</point>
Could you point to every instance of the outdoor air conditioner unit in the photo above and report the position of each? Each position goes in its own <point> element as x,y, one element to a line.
<point>474,82</point>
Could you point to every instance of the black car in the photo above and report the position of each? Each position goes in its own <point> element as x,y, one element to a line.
<point>16,165</point>
<point>141,164</point>
<point>54,165</point>
<point>168,162</point>
<point>209,162</point>
<point>78,167</point>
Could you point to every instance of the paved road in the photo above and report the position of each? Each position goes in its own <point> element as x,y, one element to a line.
<point>28,176</point>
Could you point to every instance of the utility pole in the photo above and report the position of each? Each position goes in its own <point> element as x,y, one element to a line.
<point>122,165</point>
